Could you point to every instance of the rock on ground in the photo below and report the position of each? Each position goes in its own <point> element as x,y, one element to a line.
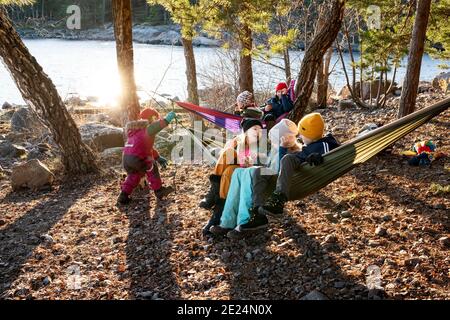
<point>442,81</point>
<point>33,174</point>
<point>6,105</point>
<point>25,119</point>
<point>315,295</point>
<point>7,149</point>
<point>101,136</point>
<point>112,156</point>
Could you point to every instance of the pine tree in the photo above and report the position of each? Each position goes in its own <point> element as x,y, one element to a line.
<point>416,49</point>
<point>240,19</point>
<point>323,39</point>
<point>123,31</point>
<point>188,15</point>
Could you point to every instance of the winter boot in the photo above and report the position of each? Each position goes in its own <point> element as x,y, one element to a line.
<point>219,231</point>
<point>124,198</point>
<point>215,218</point>
<point>162,192</point>
<point>213,194</point>
<point>257,221</point>
<point>274,205</point>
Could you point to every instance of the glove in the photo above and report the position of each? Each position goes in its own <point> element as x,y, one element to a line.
<point>163,162</point>
<point>170,116</point>
<point>314,159</point>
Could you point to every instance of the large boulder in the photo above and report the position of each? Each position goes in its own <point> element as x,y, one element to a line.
<point>9,150</point>
<point>170,37</point>
<point>424,86</point>
<point>345,93</point>
<point>367,87</point>
<point>112,156</point>
<point>32,174</point>
<point>442,82</point>
<point>6,115</point>
<point>202,41</point>
<point>75,101</point>
<point>101,136</point>
<point>41,151</point>
<point>25,120</point>
<point>6,106</point>
<point>346,104</point>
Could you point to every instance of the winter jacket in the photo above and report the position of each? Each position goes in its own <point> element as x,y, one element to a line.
<point>321,146</point>
<point>138,150</point>
<point>280,105</point>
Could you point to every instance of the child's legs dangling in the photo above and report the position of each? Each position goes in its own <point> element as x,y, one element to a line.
<point>246,196</point>
<point>263,182</point>
<point>153,177</point>
<point>225,181</point>
<point>131,182</point>
<point>230,211</point>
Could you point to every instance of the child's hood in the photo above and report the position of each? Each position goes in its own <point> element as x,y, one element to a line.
<point>329,142</point>
<point>283,128</point>
<point>136,125</point>
<point>329,138</point>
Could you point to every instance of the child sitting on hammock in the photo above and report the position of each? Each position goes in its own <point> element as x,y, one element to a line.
<point>311,130</point>
<point>139,156</point>
<point>238,152</point>
<point>239,206</point>
<point>278,105</point>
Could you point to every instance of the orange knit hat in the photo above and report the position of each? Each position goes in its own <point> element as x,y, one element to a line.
<point>312,126</point>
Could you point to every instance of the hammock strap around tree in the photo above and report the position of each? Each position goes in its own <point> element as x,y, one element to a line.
<point>222,119</point>
<point>308,179</point>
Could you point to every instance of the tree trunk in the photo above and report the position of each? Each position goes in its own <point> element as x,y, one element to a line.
<point>380,83</point>
<point>416,48</point>
<point>43,9</point>
<point>354,94</point>
<point>313,55</point>
<point>191,71</point>
<point>322,86</point>
<point>319,81</point>
<point>287,65</point>
<point>191,75</point>
<point>40,94</point>
<point>103,12</point>
<point>123,31</point>
<point>245,61</point>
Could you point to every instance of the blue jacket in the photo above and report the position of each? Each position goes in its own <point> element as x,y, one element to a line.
<point>322,146</point>
<point>280,106</point>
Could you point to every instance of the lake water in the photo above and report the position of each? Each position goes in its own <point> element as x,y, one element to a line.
<point>88,68</point>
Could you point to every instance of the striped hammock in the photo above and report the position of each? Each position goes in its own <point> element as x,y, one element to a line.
<point>225,120</point>
<point>339,161</point>
<point>222,119</point>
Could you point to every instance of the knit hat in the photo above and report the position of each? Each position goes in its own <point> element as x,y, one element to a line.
<point>281,86</point>
<point>283,128</point>
<point>147,113</point>
<point>245,98</point>
<point>312,126</point>
<point>247,123</point>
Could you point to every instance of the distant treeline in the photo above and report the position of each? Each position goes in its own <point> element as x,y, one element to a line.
<point>93,12</point>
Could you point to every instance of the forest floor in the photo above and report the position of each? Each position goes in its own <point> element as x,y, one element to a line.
<point>73,242</point>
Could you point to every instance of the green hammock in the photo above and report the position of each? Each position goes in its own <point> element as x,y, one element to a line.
<point>308,179</point>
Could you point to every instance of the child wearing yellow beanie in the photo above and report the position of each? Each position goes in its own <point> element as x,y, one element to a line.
<point>311,130</point>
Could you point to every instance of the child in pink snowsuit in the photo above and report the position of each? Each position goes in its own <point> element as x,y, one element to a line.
<point>139,156</point>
